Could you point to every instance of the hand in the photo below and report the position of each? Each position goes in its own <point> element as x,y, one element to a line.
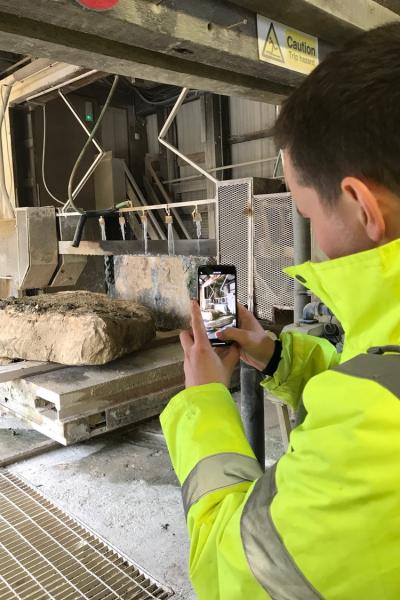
<point>256,345</point>
<point>202,364</point>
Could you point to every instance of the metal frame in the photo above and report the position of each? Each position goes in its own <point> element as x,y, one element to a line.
<point>216,169</point>
<point>250,267</point>
<point>149,207</point>
<point>164,131</point>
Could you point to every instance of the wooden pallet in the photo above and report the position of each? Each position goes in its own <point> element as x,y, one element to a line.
<point>72,404</point>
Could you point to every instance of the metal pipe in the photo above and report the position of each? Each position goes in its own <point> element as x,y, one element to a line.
<point>148,207</point>
<point>81,123</point>
<point>132,181</point>
<point>243,164</point>
<point>3,188</point>
<point>167,198</point>
<point>250,251</point>
<point>61,85</point>
<point>164,131</point>
<point>15,67</point>
<point>88,173</point>
<point>34,68</point>
<point>84,179</point>
<point>279,159</point>
<point>252,410</point>
<point>190,162</point>
<point>172,114</point>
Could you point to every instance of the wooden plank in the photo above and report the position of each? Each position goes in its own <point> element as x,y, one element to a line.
<point>25,368</point>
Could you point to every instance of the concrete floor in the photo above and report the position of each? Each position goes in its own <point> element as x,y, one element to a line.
<point>122,486</point>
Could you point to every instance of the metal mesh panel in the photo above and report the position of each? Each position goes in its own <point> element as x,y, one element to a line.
<point>273,251</point>
<point>44,553</point>
<point>233,198</point>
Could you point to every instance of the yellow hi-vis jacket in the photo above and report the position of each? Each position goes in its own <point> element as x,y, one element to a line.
<point>325,522</point>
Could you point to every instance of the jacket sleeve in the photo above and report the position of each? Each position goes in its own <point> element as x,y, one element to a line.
<point>216,468</point>
<point>303,356</point>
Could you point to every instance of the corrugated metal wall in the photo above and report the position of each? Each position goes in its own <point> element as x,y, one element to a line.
<point>247,117</point>
<point>152,134</point>
<point>191,139</point>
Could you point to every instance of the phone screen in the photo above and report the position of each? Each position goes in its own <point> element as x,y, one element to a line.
<point>217,299</point>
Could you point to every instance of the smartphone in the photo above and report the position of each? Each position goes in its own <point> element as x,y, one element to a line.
<point>217,294</point>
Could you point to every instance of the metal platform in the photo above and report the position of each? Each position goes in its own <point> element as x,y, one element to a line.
<point>45,554</point>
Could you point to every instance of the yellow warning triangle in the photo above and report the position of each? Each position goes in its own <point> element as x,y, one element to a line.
<point>272,48</point>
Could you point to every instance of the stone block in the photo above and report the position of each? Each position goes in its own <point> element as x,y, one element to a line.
<point>72,328</point>
<point>163,284</point>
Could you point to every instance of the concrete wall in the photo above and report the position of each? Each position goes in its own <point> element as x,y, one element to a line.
<point>164,284</point>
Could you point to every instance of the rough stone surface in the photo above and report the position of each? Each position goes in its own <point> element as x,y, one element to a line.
<point>164,284</point>
<point>72,328</point>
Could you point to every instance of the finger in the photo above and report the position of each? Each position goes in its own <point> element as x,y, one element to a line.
<point>186,340</point>
<point>247,320</point>
<point>233,334</point>
<point>199,330</point>
<point>231,358</point>
<point>220,351</point>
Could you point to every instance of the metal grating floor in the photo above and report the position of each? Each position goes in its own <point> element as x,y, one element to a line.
<point>44,553</point>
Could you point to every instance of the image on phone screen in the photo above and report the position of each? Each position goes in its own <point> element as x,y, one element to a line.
<point>217,299</point>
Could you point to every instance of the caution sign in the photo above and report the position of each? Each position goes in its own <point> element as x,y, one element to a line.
<point>272,48</point>
<point>286,47</point>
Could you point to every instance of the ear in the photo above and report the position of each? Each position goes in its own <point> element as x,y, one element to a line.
<point>369,210</point>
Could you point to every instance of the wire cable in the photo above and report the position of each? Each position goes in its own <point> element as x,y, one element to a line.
<point>88,142</point>
<point>161,102</point>
<point>6,124</point>
<point>44,160</point>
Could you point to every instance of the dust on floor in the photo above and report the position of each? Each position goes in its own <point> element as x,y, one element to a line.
<point>123,487</point>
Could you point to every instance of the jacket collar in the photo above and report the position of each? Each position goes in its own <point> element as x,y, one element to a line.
<point>363,292</point>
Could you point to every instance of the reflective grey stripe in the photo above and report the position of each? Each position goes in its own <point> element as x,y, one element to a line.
<point>381,368</point>
<point>216,472</point>
<point>270,562</point>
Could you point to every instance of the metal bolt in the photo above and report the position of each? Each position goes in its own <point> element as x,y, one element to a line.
<point>242,22</point>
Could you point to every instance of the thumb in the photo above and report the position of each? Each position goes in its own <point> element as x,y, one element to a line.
<point>233,334</point>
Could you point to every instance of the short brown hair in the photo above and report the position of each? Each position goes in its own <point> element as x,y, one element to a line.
<point>344,119</point>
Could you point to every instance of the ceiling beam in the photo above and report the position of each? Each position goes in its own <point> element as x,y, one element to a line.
<point>204,45</point>
<point>393,5</point>
<point>334,22</point>
<point>34,81</point>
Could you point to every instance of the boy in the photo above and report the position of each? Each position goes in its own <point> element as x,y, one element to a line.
<point>325,521</point>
